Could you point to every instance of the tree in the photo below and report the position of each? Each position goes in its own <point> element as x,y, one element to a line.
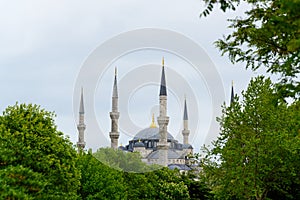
<point>197,188</point>
<point>168,184</point>
<point>36,161</point>
<point>257,152</point>
<point>125,161</point>
<point>141,181</point>
<point>138,186</point>
<point>268,36</point>
<point>99,181</point>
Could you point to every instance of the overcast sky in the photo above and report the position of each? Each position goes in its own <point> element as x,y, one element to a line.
<point>44,45</point>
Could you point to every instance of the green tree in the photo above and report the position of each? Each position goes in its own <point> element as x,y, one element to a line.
<point>141,181</point>
<point>99,181</point>
<point>138,186</point>
<point>120,160</point>
<point>268,36</point>
<point>197,188</point>
<point>36,161</point>
<point>167,184</point>
<point>257,152</point>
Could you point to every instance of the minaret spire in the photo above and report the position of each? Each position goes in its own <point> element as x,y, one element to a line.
<point>185,131</point>
<point>81,126</point>
<point>163,88</point>
<point>115,87</point>
<point>232,94</point>
<point>114,115</point>
<point>81,107</point>
<point>163,120</point>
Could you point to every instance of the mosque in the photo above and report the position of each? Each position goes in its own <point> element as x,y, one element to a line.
<point>155,144</point>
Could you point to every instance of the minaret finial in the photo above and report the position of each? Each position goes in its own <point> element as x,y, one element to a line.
<point>115,71</point>
<point>153,125</point>
<point>163,61</point>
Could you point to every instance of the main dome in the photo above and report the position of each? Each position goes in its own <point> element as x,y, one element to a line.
<point>150,134</point>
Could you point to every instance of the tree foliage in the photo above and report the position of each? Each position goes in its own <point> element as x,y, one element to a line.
<point>36,161</point>
<point>99,181</point>
<point>125,161</point>
<point>143,181</point>
<point>167,184</point>
<point>224,5</point>
<point>257,152</point>
<point>198,189</point>
<point>106,180</point>
<point>268,36</point>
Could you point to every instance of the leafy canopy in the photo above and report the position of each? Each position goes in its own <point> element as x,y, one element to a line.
<point>268,36</point>
<point>257,152</point>
<point>36,161</point>
<point>99,181</point>
<point>124,161</point>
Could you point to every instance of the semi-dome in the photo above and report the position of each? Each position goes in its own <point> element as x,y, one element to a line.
<point>150,134</point>
<point>172,154</point>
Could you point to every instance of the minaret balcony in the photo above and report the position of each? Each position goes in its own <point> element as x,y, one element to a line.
<point>163,120</point>
<point>81,127</point>
<point>114,115</point>
<point>114,135</point>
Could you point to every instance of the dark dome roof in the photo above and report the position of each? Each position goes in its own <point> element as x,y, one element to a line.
<point>150,134</point>
<point>171,155</point>
<point>187,146</point>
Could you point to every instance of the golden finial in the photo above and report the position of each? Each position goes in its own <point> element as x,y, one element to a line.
<point>163,61</point>
<point>232,83</point>
<point>153,125</point>
<point>115,71</point>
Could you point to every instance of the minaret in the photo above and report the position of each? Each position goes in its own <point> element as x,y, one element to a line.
<point>114,115</point>
<point>232,94</point>
<point>185,131</point>
<point>81,126</point>
<point>163,121</point>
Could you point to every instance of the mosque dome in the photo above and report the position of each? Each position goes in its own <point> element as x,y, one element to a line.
<point>150,134</point>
